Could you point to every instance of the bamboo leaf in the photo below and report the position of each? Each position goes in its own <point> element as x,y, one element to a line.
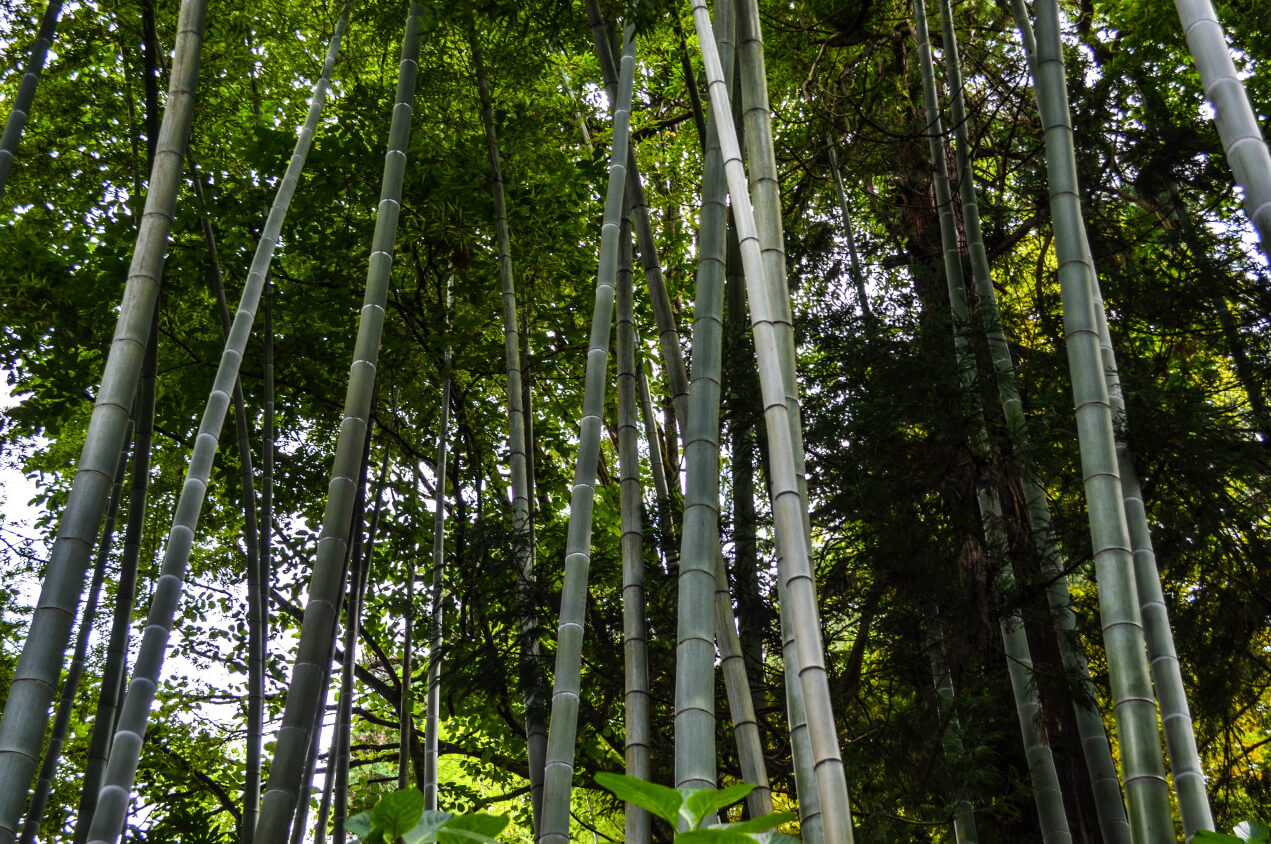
<point>705,801</point>
<point>1253,831</point>
<point>658,799</point>
<point>763,822</point>
<point>1204,836</point>
<point>478,827</point>
<point>714,835</point>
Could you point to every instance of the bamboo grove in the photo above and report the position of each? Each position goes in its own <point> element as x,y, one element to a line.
<point>906,362</point>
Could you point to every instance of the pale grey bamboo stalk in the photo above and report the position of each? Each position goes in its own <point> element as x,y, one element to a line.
<point>657,468</point>
<point>559,770</point>
<point>432,717</point>
<point>267,462</point>
<point>788,504</point>
<point>281,793</point>
<point>964,829</point>
<point>741,706</point>
<point>663,315</point>
<point>66,703</point>
<point>26,90</point>
<point>1109,805</point>
<point>699,544</point>
<point>1041,763</point>
<point>126,748</point>
<point>638,729</point>
<point>811,822</point>
<point>1143,768</point>
<point>854,259</point>
<point>518,447</point>
<point>112,677</point>
<point>26,710</point>
<point>1242,140</point>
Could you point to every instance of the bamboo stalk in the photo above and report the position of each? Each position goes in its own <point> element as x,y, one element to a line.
<point>26,709</point>
<point>26,90</point>
<point>282,791</point>
<point>559,770</point>
<point>854,259</point>
<point>788,504</point>
<point>964,828</point>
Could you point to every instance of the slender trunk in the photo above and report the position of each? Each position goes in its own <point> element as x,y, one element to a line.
<point>66,703</point>
<point>1094,740</point>
<point>432,717</point>
<point>282,791</point>
<point>638,728</point>
<point>1041,762</point>
<point>1242,141</point>
<point>535,714</point>
<point>774,350</point>
<point>1143,768</point>
<point>26,90</point>
<point>26,710</point>
<point>964,829</point>
<point>669,543</point>
<point>559,770</point>
<point>854,259</point>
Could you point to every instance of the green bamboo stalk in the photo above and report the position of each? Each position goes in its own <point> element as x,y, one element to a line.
<point>788,504</point>
<point>657,468</point>
<point>854,259</point>
<point>126,748</point>
<point>317,628</point>
<point>1109,805</point>
<point>964,829</point>
<point>638,730</point>
<point>26,710</point>
<point>66,703</point>
<point>112,677</point>
<point>663,315</point>
<point>811,819</point>
<point>535,714</point>
<point>1041,763</point>
<point>432,717</point>
<point>267,461</point>
<point>559,770</point>
<point>1242,140</point>
<point>1143,768</point>
<point>26,90</point>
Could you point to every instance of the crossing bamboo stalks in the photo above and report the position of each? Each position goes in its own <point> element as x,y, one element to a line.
<point>663,315</point>
<point>788,504</point>
<point>317,628</point>
<point>432,717</point>
<point>1143,769</point>
<point>1041,764</point>
<point>66,703</point>
<point>26,710</point>
<point>638,730</point>
<point>1242,140</point>
<point>112,677</point>
<point>535,714</point>
<point>26,90</point>
<point>126,748</point>
<point>1094,740</point>
<point>559,770</point>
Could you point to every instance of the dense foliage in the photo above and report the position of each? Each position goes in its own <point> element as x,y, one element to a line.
<point>898,543</point>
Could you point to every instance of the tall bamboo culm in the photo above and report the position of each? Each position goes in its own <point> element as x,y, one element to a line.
<point>559,770</point>
<point>26,90</point>
<point>1109,805</point>
<point>318,626</point>
<point>26,710</point>
<point>1143,770</point>
<point>66,701</point>
<point>1242,141</point>
<point>788,504</point>
<point>964,828</point>
<point>535,713</point>
<point>637,707</point>
<point>432,716</point>
<point>1044,778</point>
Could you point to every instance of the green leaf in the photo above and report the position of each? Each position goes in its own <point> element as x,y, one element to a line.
<point>425,832</point>
<point>397,813</point>
<point>1253,831</point>
<point>359,825</point>
<point>658,799</point>
<point>774,838</point>
<point>714,835</point>
<point>478,827</point>
<point>763,822</point>
<point>705,801</point>
<point>1204,836</point>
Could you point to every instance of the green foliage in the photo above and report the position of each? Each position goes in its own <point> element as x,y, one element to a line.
<point>686,809</point>
<point>400,818</point>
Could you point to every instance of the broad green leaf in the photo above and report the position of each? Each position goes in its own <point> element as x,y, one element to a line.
<point>774,838</point>
<point>763,822</point>
<point>705,801</point>
<point>1253,831</point>
<point>465,828</point>
<point>714,835</point>
<point>658,799</point>
<point>425,831</point>
<point>1204,836</point>
<point>359,825</point>
<point>398,812</point>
